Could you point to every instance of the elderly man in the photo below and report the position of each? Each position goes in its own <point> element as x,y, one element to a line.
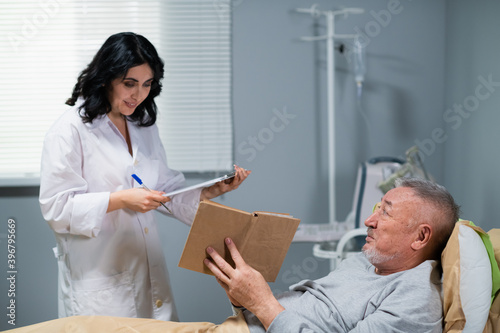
<point>393,286</point>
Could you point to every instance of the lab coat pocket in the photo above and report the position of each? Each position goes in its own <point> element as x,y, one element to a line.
<point>109,296</point>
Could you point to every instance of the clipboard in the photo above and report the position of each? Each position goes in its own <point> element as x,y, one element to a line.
<point>204,184</point>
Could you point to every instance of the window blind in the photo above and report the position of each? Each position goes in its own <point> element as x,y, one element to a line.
<point>47,43</point>
<point>197,86</point>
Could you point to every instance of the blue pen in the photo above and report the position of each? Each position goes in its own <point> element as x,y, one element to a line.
<point>146,188</point>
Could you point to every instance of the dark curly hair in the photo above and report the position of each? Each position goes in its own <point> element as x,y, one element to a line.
<point>117,55</point>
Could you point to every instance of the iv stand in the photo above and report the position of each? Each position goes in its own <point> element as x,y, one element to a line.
<point>330,37</point>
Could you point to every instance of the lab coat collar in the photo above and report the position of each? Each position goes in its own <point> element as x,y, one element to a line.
<point>103,122</point>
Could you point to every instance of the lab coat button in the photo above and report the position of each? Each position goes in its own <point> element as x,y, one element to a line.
<point>136,162</point>
<point>159,303</point>
<point>146,230</point>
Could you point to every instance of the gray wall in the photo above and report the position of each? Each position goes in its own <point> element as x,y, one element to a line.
<point>422,59</point>
<point>471,154</point>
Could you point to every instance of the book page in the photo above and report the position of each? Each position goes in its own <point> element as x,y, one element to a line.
<point>273,214</point>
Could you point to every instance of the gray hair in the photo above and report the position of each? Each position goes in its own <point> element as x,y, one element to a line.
<point>440,198</point>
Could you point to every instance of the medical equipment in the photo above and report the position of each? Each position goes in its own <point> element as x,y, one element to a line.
<point>345,247</point>
<point>359,64</point>
<point>330,37</point>
<point>413,167</point>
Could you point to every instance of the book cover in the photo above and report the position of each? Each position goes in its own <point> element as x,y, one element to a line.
<point>263,238</point>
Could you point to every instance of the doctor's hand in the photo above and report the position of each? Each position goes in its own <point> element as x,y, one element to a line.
<point>226,185</point>
<point>136,199</point>
<point>244,285</point>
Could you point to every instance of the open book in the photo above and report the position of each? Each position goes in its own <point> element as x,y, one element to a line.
<point>262,238</point>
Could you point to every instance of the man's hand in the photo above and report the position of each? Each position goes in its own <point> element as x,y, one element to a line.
<point>244,285</point>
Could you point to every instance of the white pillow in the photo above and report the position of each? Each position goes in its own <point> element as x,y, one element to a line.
<point>467,280</point>
<point>475,279</point>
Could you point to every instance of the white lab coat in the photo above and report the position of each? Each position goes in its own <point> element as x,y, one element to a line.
<point>109,263</point>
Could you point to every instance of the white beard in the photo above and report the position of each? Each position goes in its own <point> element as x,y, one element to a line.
<point>376,258</point>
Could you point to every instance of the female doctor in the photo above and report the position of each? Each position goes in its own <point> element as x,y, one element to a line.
<point>109,254</point>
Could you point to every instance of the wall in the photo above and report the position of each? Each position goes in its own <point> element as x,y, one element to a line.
<point>471,109</point>
<point>35,284</point>
<point>279,79</point>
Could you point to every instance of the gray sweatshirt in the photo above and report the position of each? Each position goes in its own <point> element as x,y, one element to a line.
<point>353,298</point>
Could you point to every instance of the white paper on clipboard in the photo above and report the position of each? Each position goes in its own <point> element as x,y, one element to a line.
<point>204,184</point>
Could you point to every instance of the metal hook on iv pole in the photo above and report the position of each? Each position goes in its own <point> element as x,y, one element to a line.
<point>330,16</point>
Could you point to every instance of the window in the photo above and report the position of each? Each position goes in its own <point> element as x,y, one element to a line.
<point>47,43</point>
